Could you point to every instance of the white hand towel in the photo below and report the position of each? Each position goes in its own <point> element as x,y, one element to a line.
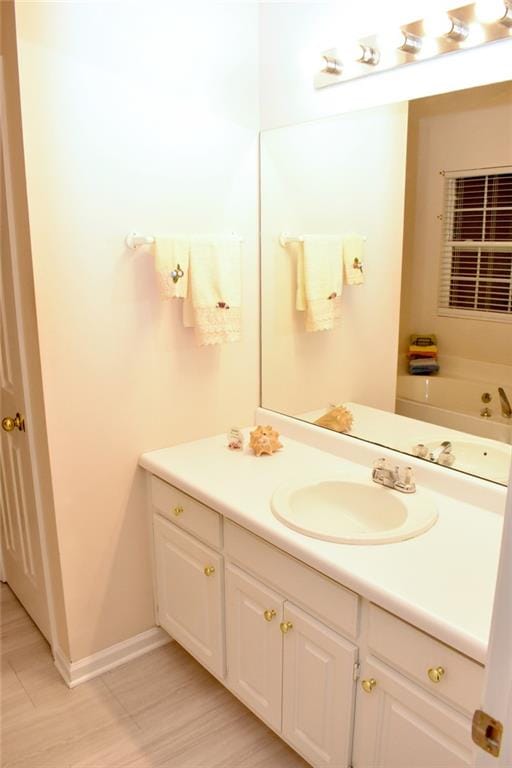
<point>320,281</point>
<point>353,247</point>
<point>172,254</point>
<point>213,304</point>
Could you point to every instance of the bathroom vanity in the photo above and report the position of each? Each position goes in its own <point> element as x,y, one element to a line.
<point>355,655</point>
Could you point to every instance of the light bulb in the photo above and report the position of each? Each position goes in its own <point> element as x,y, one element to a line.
<point>391,39</point>
<point>438,25</point>
<point>331,64</point>
<point>490,11</point>
<point>444,25</point>
<point>397,39</point>
<point>365,54</point>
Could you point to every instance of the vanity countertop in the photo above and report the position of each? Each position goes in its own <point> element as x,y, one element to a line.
<point>441,581</point>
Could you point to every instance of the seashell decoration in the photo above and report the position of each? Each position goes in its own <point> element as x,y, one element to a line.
<point>265,440</point>
<point>340,419</point>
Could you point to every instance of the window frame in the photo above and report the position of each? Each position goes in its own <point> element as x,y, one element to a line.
<point>448,247</point>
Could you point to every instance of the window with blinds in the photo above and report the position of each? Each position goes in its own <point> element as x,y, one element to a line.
<point>476,261</point>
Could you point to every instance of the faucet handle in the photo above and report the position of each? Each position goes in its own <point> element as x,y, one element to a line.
<point>405,481</point>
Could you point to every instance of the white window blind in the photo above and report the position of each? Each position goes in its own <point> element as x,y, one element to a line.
<point>476,260</point>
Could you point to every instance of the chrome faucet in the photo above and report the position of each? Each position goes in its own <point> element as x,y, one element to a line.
<point>445,456</point>
<point>506,408</point>
<point>392,476</point>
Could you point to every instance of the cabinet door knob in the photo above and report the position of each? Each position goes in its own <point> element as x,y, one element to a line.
<point>436,674</point>
<point>368,685</point>
<point>209,570</point>
<point>177,511</point>
<point>269,615</point>
<point>285,626</point>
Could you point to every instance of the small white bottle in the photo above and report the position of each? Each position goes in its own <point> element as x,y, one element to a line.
<point>235,439</point>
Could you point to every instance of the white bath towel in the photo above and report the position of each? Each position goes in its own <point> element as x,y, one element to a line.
<point>320,281</point>
<point>353,258</point>
<point>213,304</point>
<point>172,255</point>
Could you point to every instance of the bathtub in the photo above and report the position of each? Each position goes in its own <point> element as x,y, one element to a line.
<point>454,403</point>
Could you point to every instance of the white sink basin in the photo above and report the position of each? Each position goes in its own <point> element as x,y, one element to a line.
<point>479,458</point>
<point>351,512</point>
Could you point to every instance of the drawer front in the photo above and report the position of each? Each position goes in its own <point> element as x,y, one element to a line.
<point>414,653</point>
<point>334,604</point>
<point>186,512</point>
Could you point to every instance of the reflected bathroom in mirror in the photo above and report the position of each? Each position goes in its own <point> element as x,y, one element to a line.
<point>386,262</point>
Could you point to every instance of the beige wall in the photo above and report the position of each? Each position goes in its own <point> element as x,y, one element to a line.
<point>463,130</point>
<point>147,119</point>
<point>333,176</point>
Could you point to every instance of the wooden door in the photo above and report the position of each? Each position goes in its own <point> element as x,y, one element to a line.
<point>318,690</point>
<point>254,644</point>
<point>398,725</point>
<point>21,540</point>
<point>189,593</point>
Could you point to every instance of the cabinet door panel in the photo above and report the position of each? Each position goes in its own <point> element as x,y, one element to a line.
<point>400,726</point>
<point>318,690</point>
<point>189,601</point>
<point>254,645</point>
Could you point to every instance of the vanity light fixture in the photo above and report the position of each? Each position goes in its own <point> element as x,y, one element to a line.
<point>494,12</point>
<point>445,25</point>
<point>461,28</point>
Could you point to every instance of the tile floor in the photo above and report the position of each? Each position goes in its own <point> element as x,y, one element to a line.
<point>162,709</point>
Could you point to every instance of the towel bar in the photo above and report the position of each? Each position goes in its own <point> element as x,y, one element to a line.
<point>134,239</point>
<point>285,238</point>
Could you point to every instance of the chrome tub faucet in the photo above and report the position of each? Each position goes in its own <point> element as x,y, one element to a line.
<point>506,408</point>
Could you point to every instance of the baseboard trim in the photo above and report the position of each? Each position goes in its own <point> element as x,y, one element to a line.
<point>76,672</point>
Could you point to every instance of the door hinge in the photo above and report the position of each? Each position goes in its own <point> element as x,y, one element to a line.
<point>487,732</point>
<point>355,676</point>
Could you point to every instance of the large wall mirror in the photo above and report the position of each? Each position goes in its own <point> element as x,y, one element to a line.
<point>387,276</point>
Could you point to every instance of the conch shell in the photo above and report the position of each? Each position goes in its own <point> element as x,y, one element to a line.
<point>339,419</point>
<point>265,440</point>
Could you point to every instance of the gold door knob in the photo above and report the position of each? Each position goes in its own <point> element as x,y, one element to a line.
<point>368,685</point>
<point>436,674</point>
<point>9,424</point>
<point>209,570</point>
<point>177,511</point>
<point>269,615</point>
<point>285,626</point>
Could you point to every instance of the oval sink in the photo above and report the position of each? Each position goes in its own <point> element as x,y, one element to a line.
<point>479,458</point>
<point>351,512</point>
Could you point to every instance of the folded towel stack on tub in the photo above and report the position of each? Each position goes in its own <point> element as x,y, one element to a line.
<point>423,355</point>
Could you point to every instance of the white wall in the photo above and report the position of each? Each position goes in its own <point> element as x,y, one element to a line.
<point>294,34</point>
<point>333,177</point>
<point>135,115</point>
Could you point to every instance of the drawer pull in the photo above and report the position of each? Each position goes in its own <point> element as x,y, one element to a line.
<point>269,615</point>
<point>436,674</point>
<point>285,626</point>
<point>177,511</point>
<point>368,685</point>
<point>209,570</point>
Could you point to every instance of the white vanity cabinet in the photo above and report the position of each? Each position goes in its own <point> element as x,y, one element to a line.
<point>189,574</point>
<point>291,669</point>
<point>398,725</point>
<point>415,700</point>
<point>343,681</point>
